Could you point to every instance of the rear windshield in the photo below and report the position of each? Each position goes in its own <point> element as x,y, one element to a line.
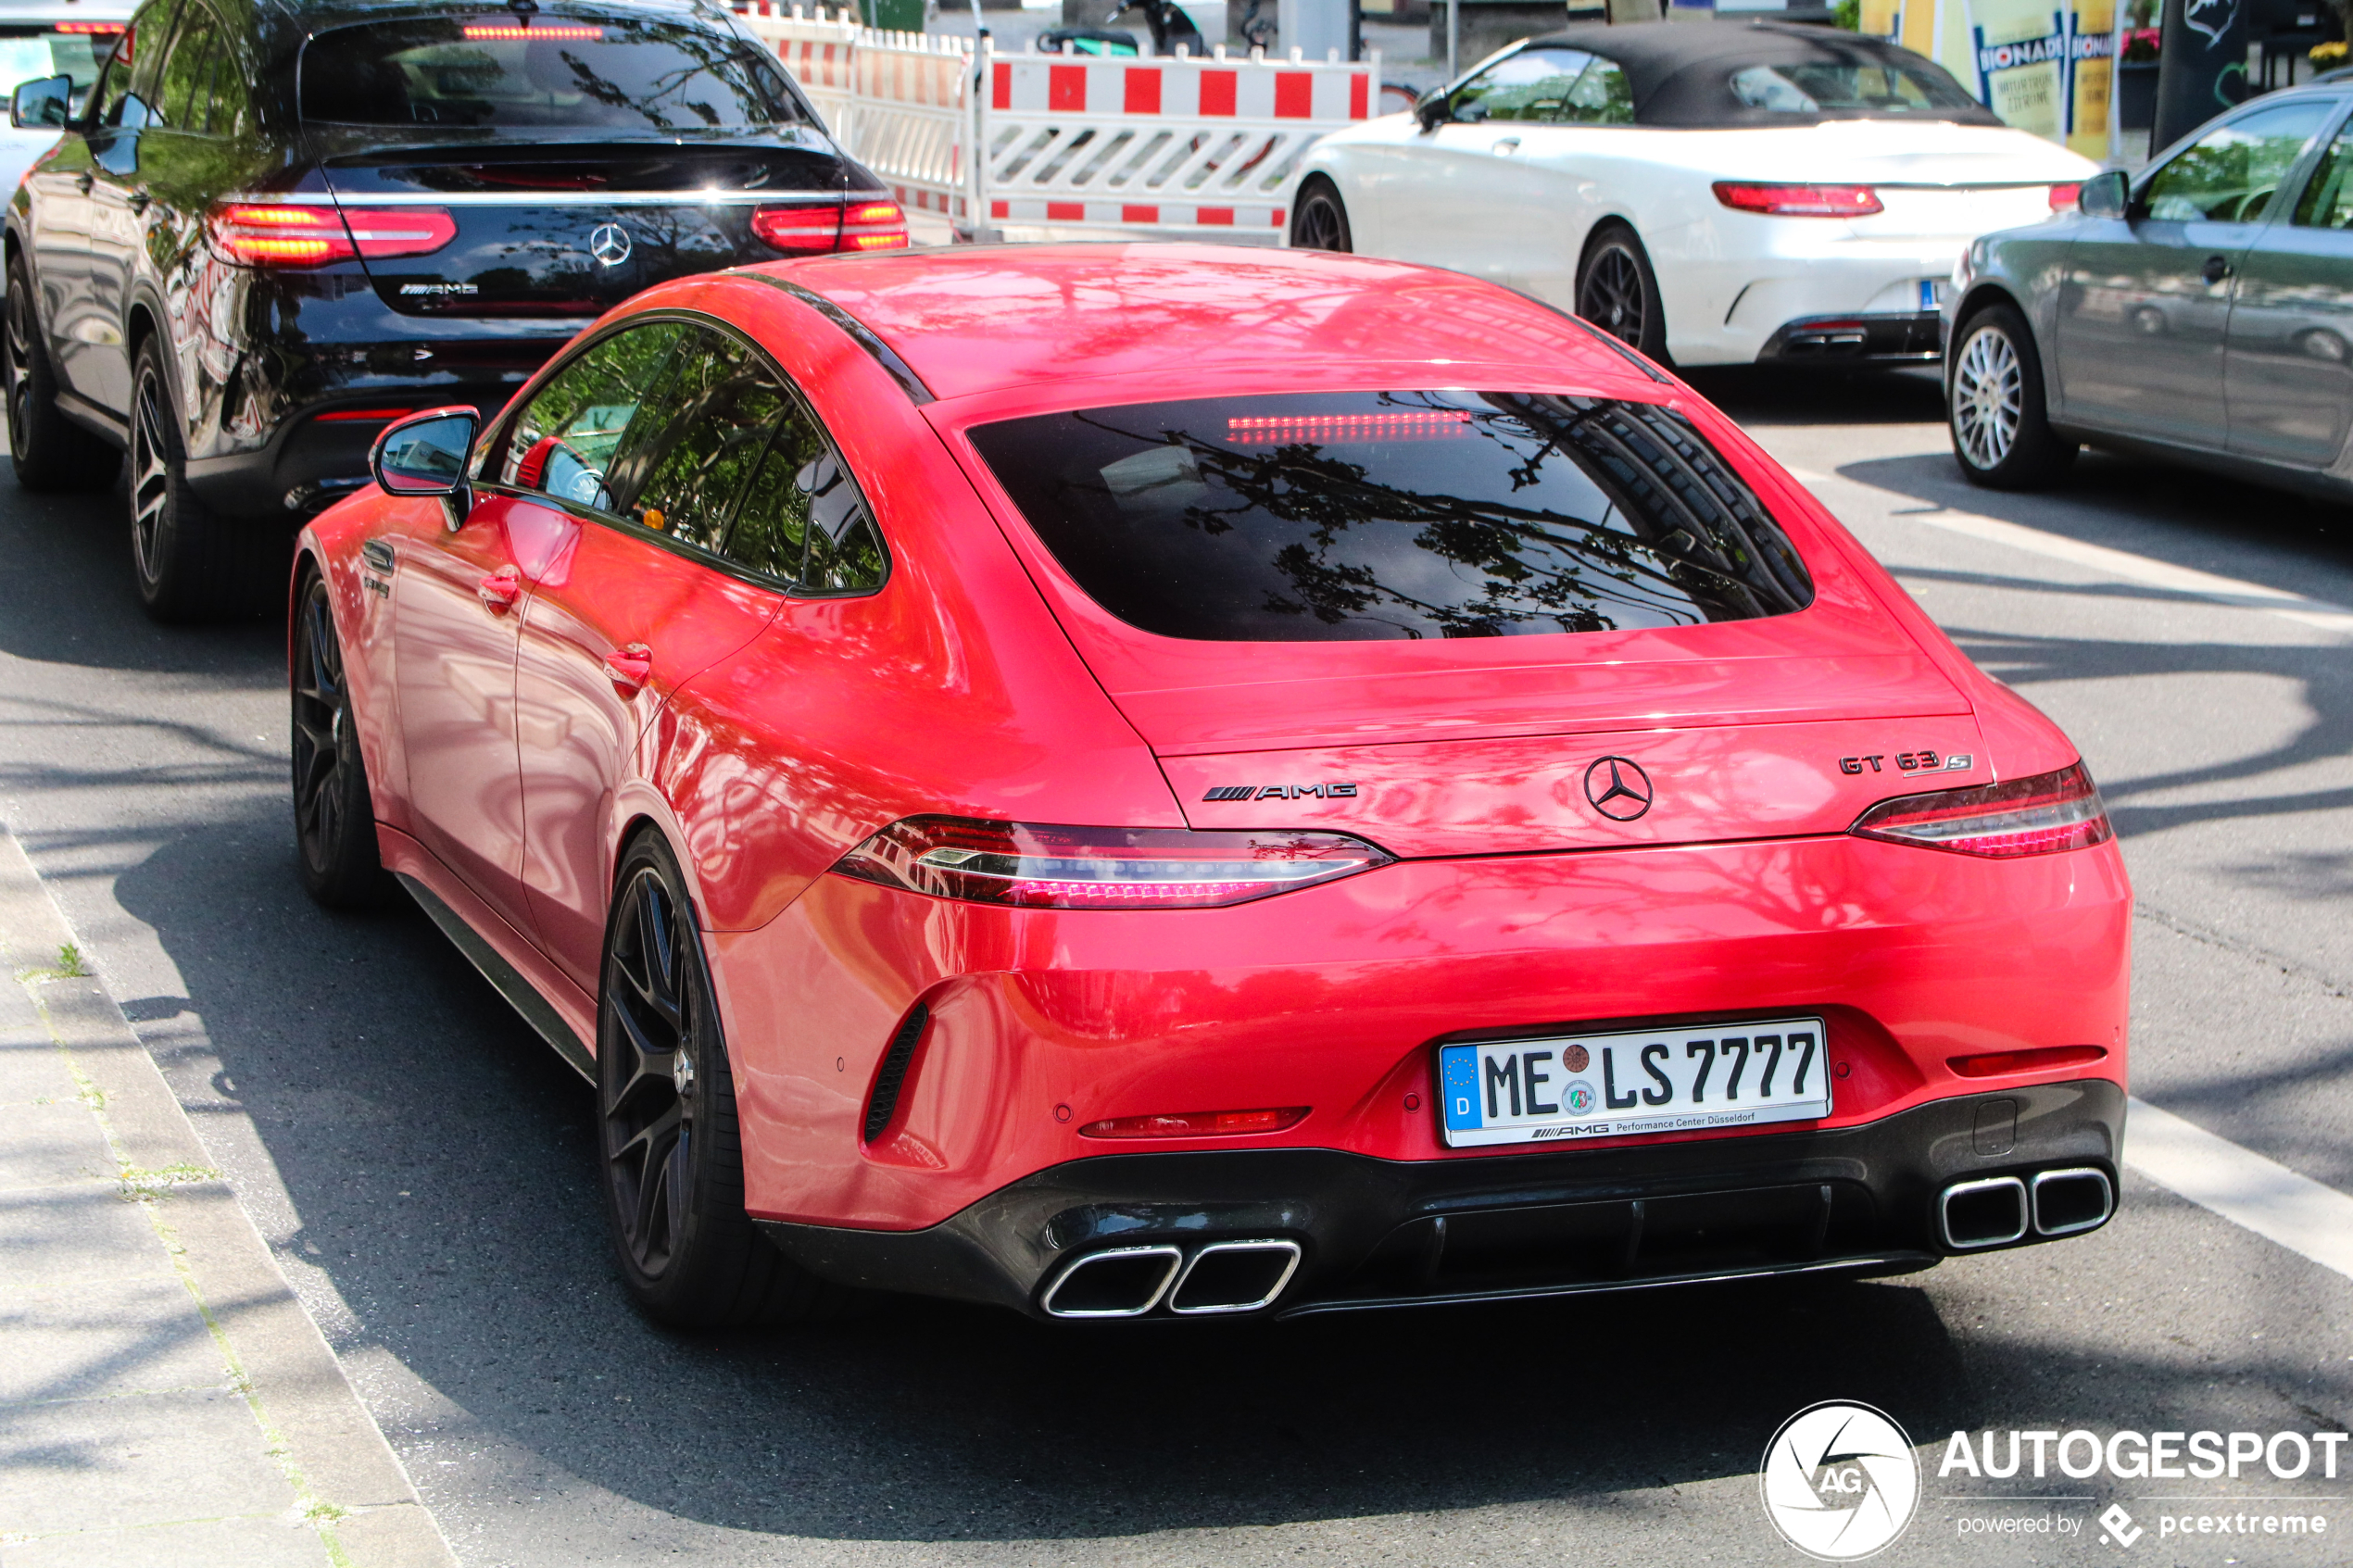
<point>1364,516</point>
<point>541,70</point>
<point>1878,88</point>
<point>28,53</point>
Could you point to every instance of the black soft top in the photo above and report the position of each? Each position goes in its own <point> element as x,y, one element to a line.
<point>1682,72</point>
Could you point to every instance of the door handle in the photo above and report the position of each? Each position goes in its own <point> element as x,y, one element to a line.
<point>2216,269</point>
<point>630,666</point>
<point>139,200</point>
<point>82,181</point>
<point>500,589</point>
<point>1505,147</point>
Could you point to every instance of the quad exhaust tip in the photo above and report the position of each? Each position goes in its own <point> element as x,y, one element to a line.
<point>1996,1211</point>
<point>1128,1281</point>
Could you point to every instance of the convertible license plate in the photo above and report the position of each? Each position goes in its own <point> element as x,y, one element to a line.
<point>1693,1078</point>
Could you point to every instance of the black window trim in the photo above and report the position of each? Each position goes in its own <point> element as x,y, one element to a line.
<point>504,430</point>
<point>2290,195</point>
<point>859,333</point>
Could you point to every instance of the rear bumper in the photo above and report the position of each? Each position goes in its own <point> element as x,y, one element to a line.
<point>1379,1233</point>
<point>312,459</point>
<point>1891,338</point>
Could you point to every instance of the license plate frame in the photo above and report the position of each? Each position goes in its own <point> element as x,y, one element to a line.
<point>1716,1077</point>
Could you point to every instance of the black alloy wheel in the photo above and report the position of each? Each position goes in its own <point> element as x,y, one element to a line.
<point>50,452</point>
<point>1618,292</point>
<point>334,814</point>
<point>673,1163</point>
<point>190,563</point>
<point>1319,221</point>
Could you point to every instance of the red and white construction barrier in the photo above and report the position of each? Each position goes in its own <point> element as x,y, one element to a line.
<point>1209,147</point>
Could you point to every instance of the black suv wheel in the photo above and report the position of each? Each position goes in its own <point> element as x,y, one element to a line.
<point>191,564</point>
<point>51,453</point>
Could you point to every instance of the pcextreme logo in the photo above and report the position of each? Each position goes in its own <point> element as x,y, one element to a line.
<point>1840,1481</point>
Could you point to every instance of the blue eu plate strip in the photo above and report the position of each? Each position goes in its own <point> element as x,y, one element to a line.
<point>1458,1085</point>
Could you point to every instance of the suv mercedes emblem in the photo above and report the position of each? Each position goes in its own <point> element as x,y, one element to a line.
<point>1618,788</point>
<point>608,243</point>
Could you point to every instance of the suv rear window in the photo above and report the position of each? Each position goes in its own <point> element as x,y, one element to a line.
<point>1363,515</point>
<point>542,70</point>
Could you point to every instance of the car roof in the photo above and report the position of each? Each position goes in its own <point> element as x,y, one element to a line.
<point>317,16</point>
<point>978,319</point>
<point>1679,72</point>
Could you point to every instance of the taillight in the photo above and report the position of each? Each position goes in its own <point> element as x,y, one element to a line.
<point>873,226</point>
<point>2033,816</point>
<point>2063,197</point>
<point>267,234</point>
<point>399,231</point>
<point>1799,201</point>
<point>261,235</point>
<point>1196,1123</point>
<point>798,230</point>
<point>1068,868</point>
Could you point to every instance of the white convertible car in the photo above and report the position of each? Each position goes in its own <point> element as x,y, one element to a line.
<point>1709,191</point>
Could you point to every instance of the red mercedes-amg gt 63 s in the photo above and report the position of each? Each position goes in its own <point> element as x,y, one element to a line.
<point>1128,781</point>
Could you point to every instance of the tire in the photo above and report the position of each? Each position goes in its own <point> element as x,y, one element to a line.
<point>192,563</point>
<point>670,1156</point>
<point>52,454</point>
<point>1994,409</point>
<point>1319,221</point>
<point>335,813</point>
<point>1618,292</point>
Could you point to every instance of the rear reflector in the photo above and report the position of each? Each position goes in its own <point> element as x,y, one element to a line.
<point>798,230</point>
<point>873,226</point>
<point>1799,201</point>
<point>1994,1064</point>
<point>2063,197</point>
<point>269,235</point>
<point>2032,816</point>
<point>1071,867</point>
<point>1196,1123</point>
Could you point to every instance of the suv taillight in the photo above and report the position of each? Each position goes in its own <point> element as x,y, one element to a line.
<point>817,231</point>
<point>1065,867</point>
<point>873,226</point>
<point>1799,201</point>
<point>2032,816</point>
<point>291,235</point>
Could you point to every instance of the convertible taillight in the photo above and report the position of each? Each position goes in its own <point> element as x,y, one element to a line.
<point>1799,201</point>
<point>300,234</point>
<point>1071,868</point>
<point>2032,816</point>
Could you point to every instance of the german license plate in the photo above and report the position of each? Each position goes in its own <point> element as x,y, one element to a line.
<point>1687,1079</point>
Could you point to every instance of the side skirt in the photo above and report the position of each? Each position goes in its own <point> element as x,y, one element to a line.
<point>503,975</point>
<point>95,419</point>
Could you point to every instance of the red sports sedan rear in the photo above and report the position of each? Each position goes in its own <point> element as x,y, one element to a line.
<point>1134,780</point>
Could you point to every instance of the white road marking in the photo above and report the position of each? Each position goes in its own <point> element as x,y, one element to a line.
<point>2206,585</point>
<point>2247,1189</point>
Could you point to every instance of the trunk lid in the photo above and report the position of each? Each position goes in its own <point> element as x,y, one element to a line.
<point>573,229</point>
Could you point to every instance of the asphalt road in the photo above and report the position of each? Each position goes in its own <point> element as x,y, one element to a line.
<point>422,1166</point>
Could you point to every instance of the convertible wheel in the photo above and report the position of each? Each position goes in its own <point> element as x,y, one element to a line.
<point>192,563</point>
<point>51,453</point>
<point>1994,406</point>
<point>1618,292</point>
<point>1320,221</point>
<point>673,1164</point>
<point>335,815</point>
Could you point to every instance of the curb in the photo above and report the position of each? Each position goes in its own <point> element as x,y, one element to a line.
<point>347,1484</point>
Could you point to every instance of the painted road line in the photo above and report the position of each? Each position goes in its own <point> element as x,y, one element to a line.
<point>2245,1188</point>
<point>2124,564</point>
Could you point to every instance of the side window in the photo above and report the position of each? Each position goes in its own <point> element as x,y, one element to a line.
<point>1532,84</point>
<point>187,88</point>
<point>804,518</point>
<point>2328,199</point>
<point>2228,175</point>
<point>228,115</point>
<point>716,412</point>
<point>115,86</point>
<point>570,441</point>
<point>1601,97</point>
<point>154,28</point>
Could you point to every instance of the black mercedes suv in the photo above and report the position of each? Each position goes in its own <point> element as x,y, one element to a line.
<point>276,226</point>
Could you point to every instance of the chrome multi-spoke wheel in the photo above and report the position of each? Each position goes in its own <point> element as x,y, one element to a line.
<point>2002,435</point>
<point>335,815</point>
<point>1618,292</point>
<point>1320,224</point>
<point>1988,397</point>
<point>672,1158</point>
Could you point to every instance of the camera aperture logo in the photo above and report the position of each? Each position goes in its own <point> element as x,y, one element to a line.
<point>1840,1481</point>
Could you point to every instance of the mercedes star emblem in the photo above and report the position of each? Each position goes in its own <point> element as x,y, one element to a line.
<point>1618,788</point>
<point>608,243</point>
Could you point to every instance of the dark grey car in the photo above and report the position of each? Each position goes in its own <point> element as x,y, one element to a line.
<point>2200,312</point>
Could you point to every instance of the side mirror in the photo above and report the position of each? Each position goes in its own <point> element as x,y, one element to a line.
<point>425,454</point>
<point>1431,109</point>
<point>2103,195</point>
<point>41,104</point>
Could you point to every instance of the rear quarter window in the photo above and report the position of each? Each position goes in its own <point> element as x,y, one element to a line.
<point>1367,516</point>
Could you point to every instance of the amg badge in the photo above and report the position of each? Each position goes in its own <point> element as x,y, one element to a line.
<point>1281,792</point>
